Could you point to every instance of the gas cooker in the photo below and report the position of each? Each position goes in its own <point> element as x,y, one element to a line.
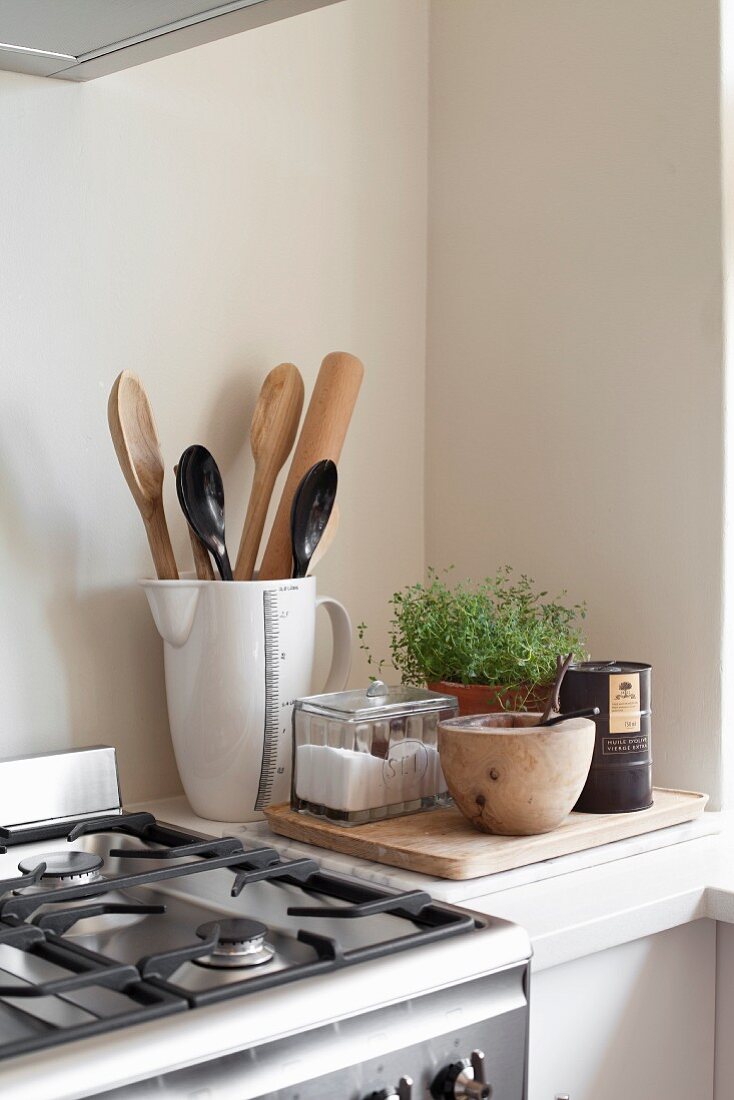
<point>115,925</point>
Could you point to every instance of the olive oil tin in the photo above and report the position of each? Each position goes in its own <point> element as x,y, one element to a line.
<point>620,779</point>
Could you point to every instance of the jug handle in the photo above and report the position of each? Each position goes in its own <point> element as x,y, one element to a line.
<point>341,658</point>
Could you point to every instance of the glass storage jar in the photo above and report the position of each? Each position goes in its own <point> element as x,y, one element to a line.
<point>366,755</point>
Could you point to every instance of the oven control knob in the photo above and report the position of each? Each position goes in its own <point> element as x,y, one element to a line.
<point>404,1091</point>
<point>464,1080</point>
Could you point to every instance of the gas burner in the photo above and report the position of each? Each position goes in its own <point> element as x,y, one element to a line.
<point>241,943</point>
<point>64,868</point>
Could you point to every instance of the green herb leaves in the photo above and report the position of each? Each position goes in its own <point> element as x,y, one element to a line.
<point>498,632</point>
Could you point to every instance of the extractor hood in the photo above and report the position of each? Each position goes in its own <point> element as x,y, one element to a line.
<point>84,39</point>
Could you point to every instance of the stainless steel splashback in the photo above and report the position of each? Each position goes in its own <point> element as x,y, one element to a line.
<point>84,39</point>
<point>57,786</point>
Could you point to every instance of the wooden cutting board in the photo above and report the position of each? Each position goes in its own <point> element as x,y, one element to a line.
<point>443,844</point>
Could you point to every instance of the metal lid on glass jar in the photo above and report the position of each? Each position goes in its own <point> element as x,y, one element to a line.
<point>376,702</point>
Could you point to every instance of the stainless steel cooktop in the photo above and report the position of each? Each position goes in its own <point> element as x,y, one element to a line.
<point>111,919</point>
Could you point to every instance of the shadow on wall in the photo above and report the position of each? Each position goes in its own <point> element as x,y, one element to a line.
<point>85,666</point>
<point>221,422</point>
<point>113,663</point>
<point>228,417</point>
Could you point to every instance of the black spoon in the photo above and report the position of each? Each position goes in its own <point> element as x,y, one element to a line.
<point>588,712</point>
<point>310,511</point>
<point>201,496</point>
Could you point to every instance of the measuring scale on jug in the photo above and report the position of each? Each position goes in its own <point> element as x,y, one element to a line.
<point>278,710</point>
<point>237,656</point>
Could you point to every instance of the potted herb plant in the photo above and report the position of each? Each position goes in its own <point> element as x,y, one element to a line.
<point>492,643</point>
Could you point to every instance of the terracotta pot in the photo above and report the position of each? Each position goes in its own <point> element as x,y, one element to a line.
<point>510,776</point>
<point>481,699</point>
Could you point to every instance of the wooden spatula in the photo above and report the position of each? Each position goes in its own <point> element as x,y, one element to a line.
<point>136,443</point>
<point>272,432</point>
<point>322,436</point>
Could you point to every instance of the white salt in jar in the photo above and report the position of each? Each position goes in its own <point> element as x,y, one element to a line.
<point>362,756</point>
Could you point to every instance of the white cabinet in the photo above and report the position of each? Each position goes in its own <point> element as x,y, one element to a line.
<point>635,1022</point>
<point>724,1061</point>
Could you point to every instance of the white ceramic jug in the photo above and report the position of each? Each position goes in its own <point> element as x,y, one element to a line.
<point>237,656</point>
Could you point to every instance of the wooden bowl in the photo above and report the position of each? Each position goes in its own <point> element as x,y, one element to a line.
<point>510,776</point>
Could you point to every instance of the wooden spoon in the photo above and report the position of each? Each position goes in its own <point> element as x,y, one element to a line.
<point>138,451</point>
<point>322,436</point>
<point>272,433</point>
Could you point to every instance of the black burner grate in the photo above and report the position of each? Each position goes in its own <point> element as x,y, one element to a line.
<point>37,922</point>
<point>431,922</point>
<point>84,970</point>
<point>21,907</point>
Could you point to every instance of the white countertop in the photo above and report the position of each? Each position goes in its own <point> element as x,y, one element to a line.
<point>572,906</point>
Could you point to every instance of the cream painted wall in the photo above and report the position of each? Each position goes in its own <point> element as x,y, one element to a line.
<point>727,134</point>
<point>206,216</point>
<point>574,378</point>
<point>199,219</point>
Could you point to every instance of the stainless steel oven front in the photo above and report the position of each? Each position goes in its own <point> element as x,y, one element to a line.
<point>412,1050</point>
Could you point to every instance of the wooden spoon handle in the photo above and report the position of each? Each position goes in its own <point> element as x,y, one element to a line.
<point>322,436</point>
<point>160,542</point>
<point>257,511</point>
<point>202,561</point>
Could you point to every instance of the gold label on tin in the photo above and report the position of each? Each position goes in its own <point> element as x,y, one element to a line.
<point>624,703</point>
